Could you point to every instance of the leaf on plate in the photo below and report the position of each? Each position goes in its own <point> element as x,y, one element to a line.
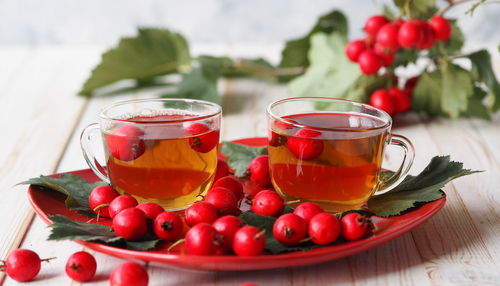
<point>239,156</point>
<point>414,190</point>
<point>151,53</point>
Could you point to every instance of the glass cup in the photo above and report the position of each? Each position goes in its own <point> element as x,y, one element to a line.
<point>157,150</point>
<point>330,151</point>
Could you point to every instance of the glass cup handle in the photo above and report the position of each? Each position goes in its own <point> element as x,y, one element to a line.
<point>403,170</point>
<point>88,154</point>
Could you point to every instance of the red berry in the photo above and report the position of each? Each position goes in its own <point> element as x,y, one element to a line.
<point>369,62</point>
<point>276,139</point>
<point>355,226</point>
<point>22,265</point>
<point>231,183</point>
<point>410,85</point>
<point>227,226</point>
<point>129,274</point>
<point>383,100</point>
<point>81,266</point>
<point>223,200</point>
<point>168,226</point>
<point>125,143</point>
<point>267,202</point>
<point>205,140</point>
<point>290,229</point>
<point>101,196</point>
<point>387,36</point>
<point>428,37</point>
<point>259,171</point>
<point>202,239</point>
<point>249,284</point>
<point>307,210</point>
<point>354,49</point>
<point>151,210</point>
<point>200,212</point>
<point>303,146</point>
<point>120,203</point>
<point>249,241</point>
<point>375,23</point>
<point>222,169</point>
<point>130,224</point>
<point>403,101</point>
<point>410,34</point>
<point>385,55</point>
<point>399,22</point>
<point>285,123</point>
<point>324,228</point>
<point>441,28</point>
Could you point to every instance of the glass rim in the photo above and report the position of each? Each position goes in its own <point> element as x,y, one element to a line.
<point>385,116</point>
<point>218,110</point>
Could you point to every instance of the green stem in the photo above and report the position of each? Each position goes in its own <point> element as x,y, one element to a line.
<point>452,3</point>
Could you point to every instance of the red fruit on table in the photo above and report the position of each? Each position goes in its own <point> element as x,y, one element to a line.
<point>441,28</point>
<point>403,101</point>
<point>168,226</point>
<point>303,145</point>
<point>130,224</point>
<point>227,226</point>
<point>354,48</point>
<point>355,226</point>
<point>120,203</point>
<point>231,183</point>
<point>385,55</point>
<point>409,34</point>
<point>307,210</point>
<point>374,23</point>
<point>223,200</point>
<point>267,202</point>
<point>125,143</point>
<point>81,266</point>
<point>100,198</point>
<point>202,239</point>
<point>290,229</point>
<point>249,241</point>
<point>205,139</point>
<point>324,228</point>
<point>383,100</point>
<point>151,210</point>
<point>387,36</point>
<point>222,169</point>
<point>129,274</point>
<point>22,265</point>
<point>428,37</point>
<point>259,171</point>
<point>200,212</point>
<point>369,62</point>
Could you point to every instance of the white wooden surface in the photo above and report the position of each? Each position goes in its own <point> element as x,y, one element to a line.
<point>42,118</point>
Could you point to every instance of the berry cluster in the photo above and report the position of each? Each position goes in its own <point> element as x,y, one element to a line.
<point>384,38</point>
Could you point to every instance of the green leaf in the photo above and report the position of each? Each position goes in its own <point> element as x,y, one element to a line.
<point>427,93</point>
<point>295,52</point>
<point>387,12</point>
<point>457,88</point>
<point>415,190</point>
<point>239,156</point>
<point>152,52</point>
<point>476,106</point>
<point>197,84</point>
<point>481,61</point>
<point>456,41</point>
<point>417,8</point>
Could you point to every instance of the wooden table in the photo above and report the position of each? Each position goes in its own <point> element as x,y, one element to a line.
<point>41,122</point>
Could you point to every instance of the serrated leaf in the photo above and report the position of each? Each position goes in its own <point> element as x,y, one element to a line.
<point>417,8</point>
<point>457,88</point>
<point>239,156</point>
<point>152,52</point>
<point>481,61</point>
<point>197,85</point>
<point>476,106</point>
<point>456,41</point>
<point>414,190</point>
<point>427,93</point>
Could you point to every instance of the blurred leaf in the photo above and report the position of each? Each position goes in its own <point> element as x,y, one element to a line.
<point>476,106</point>
<point>152,52</point>
<point>196,85</point>
<point>457,88</point>
<point>387,12</point>
<point>481,61</point>
<point>427,93</point>
<point>417,8</point>
<point>405,57</point>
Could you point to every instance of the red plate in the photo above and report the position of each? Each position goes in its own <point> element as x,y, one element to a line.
<point>51,203</point>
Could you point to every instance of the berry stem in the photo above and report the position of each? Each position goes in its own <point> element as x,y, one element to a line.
<point>48,259</point>
<point>452,3</point>
<point>259,234</point>
<point>175,244</point>
<point>292,202</point>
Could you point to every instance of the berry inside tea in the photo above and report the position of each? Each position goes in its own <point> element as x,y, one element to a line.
<point>333,159</point>
<point>170,164</point>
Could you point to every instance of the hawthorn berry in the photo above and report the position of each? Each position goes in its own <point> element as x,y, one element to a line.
<point>99,199</point>
<point>231,183</point>
<point>222,169</point>
<point>202,239</point>
<point>303,145</point>
<point>249,241</point>
<point>130,224</point>
<point>369,62</point>
<point>204,140</point>
<point>81,266</point>
<point>151,210</point>
<point>223,200</point>
<point>276,139</point>
<point>259,171</point>
<point>22,265</point>
<point>120,203</point>
<point>290,229</point>
<point>200,212</point>
<point>374,24</point>
<point>307,210</point>
<point>409,34</point>
<point>441,28</point>
<point>428,37</point>
<point>285,123</point>
<point>267,202</point>
<point>387,36</point>
<point>168,226</point>
<point>324,228</point>
<point>227,226</point>
<point>355,226</point>
<point>383,100</point>
<point>403,101</point>
<point>129,274</point>
<point>354,48</point>
<point>385,55</point>
<point>125,143</point>
<point>410,85</point>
